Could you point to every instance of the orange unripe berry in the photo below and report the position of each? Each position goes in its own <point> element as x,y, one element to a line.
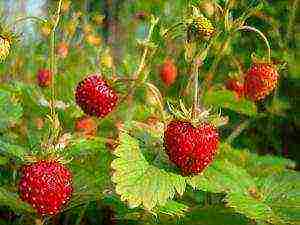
<point>168,72</point>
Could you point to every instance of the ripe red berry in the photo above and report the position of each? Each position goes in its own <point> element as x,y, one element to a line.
<point>46,185</point>
<point>191,148</point>
<point>86,126</point>
<point>236,86</point>
<point>44,77</point>
<point>95,96</point>
<point>168,72</point>
<point>260,81</point>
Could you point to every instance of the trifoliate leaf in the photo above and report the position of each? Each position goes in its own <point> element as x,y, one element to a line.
<point>13,201</point>
<point>227,99</point>
<point>140,183</point>
<point>11,109</point>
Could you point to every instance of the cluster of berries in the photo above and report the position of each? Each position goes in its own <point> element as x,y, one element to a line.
<point>47,184</point>
<point>260,80</point>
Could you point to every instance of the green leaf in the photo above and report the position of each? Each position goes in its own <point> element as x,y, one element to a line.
<point>173,208</point>
<point>12,150</point>
<point>13,201</point>
<point>282,194</point>
<point>247,196</point>
<point>273,199</point>
<point>3,160</point>
<point>140,183</point>
<point>227,99</point>
<point>256,165</point>
<point>209,215</point>
<point>90,171</point>
<point>11,110</point>
<point>83,147</point>
<point>222,177</point>
<point>276,201</point>
<point>251,207</point>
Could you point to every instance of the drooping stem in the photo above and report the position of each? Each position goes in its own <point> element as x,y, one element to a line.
<point>29,18</point>
<point>248,28</point>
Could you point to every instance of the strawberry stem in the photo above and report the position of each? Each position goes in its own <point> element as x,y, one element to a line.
<point>53,119</point>
<point>197,64</point>
<point>37,19</point>
<point>142,65</point>
<point>249,28</point>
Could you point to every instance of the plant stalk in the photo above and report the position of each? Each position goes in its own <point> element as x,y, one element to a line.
<point>248,28</point>
<point>53,61</point>
<point>197,64</point>
<point>137,75</point>
<point>28,18</point>
<point>146,50</point>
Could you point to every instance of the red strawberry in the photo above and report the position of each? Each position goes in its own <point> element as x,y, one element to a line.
<point>44,77</point>
<point>168,72</point>
<point>191,148</point>
<point>260,80</point>
<point>236,86</point>
<point>46,185</point>
<point>95,96</point>
<point>87,126</point>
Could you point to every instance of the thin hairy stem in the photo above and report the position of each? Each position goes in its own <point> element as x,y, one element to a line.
<point>52,60</point>
<point>29,18</point>
<point>142,65</point>
<point>248,28</point>
<point>196,66</point>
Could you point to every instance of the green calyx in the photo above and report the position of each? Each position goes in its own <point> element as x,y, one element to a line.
<point>197,116</point>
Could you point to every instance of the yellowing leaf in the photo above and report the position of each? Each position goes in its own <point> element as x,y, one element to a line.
<point>140,183</point>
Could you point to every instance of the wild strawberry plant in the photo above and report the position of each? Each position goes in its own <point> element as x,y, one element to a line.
<point>168,127</point>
